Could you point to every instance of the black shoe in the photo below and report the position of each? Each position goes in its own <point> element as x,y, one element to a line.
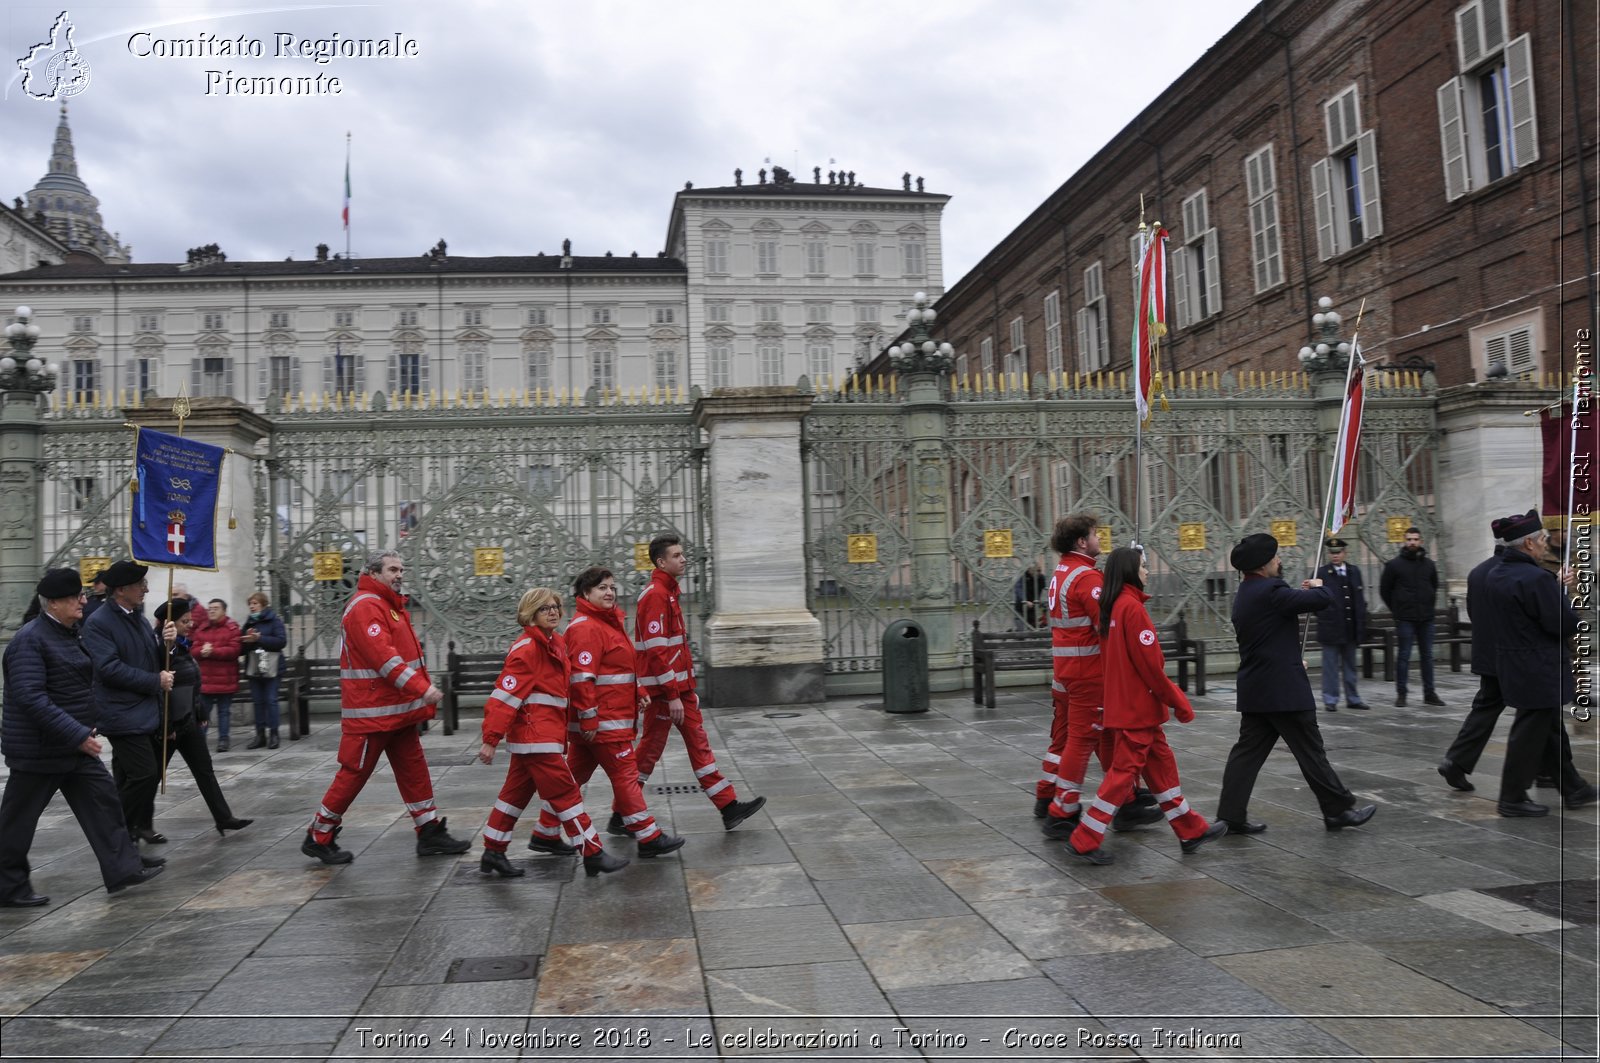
<point>602,863</point>
<point>272,740</point>
<point>737,812</point>
<point>151,861</point>
<point>234,823</point>
<point>553,846</point>
<point>1524,809</point>
<point>615,826</point>
<point>1350,817</point>
<point>148,834</point>
<point>1131,817</point>
<point>494,863</point>
<point>1143,799</point>
<point>660,845</point>
<point>26,900</point>
<point>1358,705</point>
<point>1059,827</point>
<point>1216,830</point>
<point>222,745</point>
<point>1399,701</point>
<point>1330,708</point>
<point>139,877</point>
<point>328,853</point>
<point>1041,807</point>
<point>258,741</point>
<point>1430,698</point>
<point>1096,856</point>
<point>434,840</point>
<point>1546,782</point>
<point>1586,796</point>
<point>1244,826</point>
<point>1455,776</point>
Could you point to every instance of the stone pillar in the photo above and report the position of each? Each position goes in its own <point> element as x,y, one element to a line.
<point>1490,464</point>
<point>224,423</point>
<point>763,645</point>
<point>21,487</point>
<point>933,606</point>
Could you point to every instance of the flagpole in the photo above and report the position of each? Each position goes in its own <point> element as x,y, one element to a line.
<point>180,407</point>
<point>1572,479</point>
<point>347,195</point>
<point>1333,468</point>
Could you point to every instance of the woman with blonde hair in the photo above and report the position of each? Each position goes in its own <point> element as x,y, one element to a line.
<point>528,710</point>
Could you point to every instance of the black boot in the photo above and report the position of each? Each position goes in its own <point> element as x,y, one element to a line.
<point>494,863</point>
<point>259,740</point>
<point>660,845</point>
<point>614,825</point>
<point>328,852</point>
<point>434,840</point>
<point>272,739</point>
<point>602,863</point>
<point>553,846</point>
<point>737,812</point>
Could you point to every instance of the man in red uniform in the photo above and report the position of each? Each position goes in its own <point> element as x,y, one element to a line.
<point>384,693</point>
<point>1077,730</point>
<point>666,674</point>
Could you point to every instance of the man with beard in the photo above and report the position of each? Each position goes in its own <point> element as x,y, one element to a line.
<point>1409,586</point>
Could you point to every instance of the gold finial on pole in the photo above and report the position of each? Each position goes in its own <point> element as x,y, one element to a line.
<point>180,406</point>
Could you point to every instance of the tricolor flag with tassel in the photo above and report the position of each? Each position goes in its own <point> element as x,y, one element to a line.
<point>346,213</point>
<point>1150,322</point>
<point>1342,502</point>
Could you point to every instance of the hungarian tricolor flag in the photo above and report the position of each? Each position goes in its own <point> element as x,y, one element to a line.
<point>1342,504</point>
<point>1150,322</point>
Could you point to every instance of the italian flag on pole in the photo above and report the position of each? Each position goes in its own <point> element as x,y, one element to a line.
<point>347,185</point>
<point>1150,323</point>
<point>1342,502</point>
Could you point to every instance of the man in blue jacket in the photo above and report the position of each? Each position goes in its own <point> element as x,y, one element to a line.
<point>130,677</point>
<point>1341,626</point>
<point>47,733</point>
<point>1531,625</point>
<point>1274,693</point>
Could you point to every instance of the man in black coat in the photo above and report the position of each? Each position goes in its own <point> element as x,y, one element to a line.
<point>1274,692</point>
<point>1341,626</point>
<point>1409,586</point>
<point>47,733</point>
<point>130,678</point>
<point>1531,626</point>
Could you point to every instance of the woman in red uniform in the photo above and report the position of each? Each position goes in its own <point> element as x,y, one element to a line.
<point>529,710</point>
<point>1137,694</point>
<point>605,703</point>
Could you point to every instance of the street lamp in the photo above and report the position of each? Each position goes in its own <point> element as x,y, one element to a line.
<point>21,370</point>
<point>1327,352</point>
<point>919,352</point>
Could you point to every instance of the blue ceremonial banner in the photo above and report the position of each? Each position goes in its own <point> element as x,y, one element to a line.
<point>175,509</point>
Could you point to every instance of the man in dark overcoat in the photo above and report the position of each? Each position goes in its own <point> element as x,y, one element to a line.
<point>1341,626</point>
<point>1531,631</point>
<point>1274,691</point>
<point>47,733</point>
<point>1409,586</point>
<point>130,677</point>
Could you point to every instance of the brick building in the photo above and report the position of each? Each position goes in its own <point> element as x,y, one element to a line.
<point>1415,154</point>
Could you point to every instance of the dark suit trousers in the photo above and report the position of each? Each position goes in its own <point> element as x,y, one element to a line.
<point>1258,733</point>
<point>1476,730</point>
<point>136,766</point>
<point>1538,743</point>
<point>191,744</point>
<point>90,794</point>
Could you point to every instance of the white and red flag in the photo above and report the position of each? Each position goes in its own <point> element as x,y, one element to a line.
<point>1150,321</point>
<point>1342,502</point>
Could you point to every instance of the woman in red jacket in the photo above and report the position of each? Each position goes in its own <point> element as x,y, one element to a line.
<point>529,710</point>
<point>1137,694</point>
<point>605,704</point>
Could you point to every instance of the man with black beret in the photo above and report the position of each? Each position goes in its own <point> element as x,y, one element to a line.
<point>1274,693</point>
<point>48,737</point>
<point>1341,626</point>
<point>130,676</point>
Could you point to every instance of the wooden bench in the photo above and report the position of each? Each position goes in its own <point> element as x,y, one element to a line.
<point>1449,629</point>
<point>305,678</point>
<point>467,674</point>
<point>1017,651</point>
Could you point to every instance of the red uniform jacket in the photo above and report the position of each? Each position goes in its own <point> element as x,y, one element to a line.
<point>529,705</point>
<point>604,694</point>
<point>659,634</point>
<point>219,670</point>
<point>1074,608</point>
<point>381,675</point>
<point>1138,691</point>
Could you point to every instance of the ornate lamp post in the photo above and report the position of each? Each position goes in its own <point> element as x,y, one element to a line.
<point>21,370</point>
<point>1327,353</point>
<point>919,352</point>
<point>26,377</point>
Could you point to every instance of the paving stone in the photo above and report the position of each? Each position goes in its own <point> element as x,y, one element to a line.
<point>769,937</point>
<point>1495,912</point>
<point>1297,884</point>
<point>313,985</point>
<point>889,897</point>
<point>937,952</point>
<point>29,977</point>
<point>1145,984</point>
<point>1044,927</point>
<point>1003,877</point>
<point>850,859</point>
<point>644,900</point>
<point>91,1035</point>
<point>740,847</point>
<point>756,886</point>
<point>251,1032</point>
<point>620,977</point>
<point>435,943</point>
<point>793,1000</point>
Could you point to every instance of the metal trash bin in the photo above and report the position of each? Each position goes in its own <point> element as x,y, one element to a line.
<point>905,667</point>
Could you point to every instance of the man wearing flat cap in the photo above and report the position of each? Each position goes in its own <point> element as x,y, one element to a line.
<point>1274,693</point>
<point>130,677</point>
<point>1531,633</point>
<point>48,738</point>
<point>1341,626</point>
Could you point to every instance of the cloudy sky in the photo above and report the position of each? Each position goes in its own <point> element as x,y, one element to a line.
<point>518,124</point>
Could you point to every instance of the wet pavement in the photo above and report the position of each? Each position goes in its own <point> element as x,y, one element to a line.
<point>895,899</point>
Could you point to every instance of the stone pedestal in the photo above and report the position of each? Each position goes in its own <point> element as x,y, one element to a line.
<point>934,606</point>
<point>224,423</point>
<point>21,487</point>
<point>1490,464</point>
<point>763,646</point>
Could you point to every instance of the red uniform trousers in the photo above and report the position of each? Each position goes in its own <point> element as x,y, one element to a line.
<point>617,760</point>
<point>1139,751</point>
<point>657,724</point>
<point>1076,733</point>
<point>547,776</point>
<point>358,757</point>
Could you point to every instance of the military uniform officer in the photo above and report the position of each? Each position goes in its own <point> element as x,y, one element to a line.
<point>1341,626</point>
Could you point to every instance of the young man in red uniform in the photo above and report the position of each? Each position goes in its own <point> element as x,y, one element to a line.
<point>666,674</point>
<point>1077,730</point>
<point>384,693</point>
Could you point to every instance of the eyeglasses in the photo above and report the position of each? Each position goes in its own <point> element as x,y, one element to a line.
<point>547,608</point>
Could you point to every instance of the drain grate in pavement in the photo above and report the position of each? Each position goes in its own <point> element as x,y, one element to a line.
<point>674,788</point>
<point>779,715</point>
<point>1572,899</point>
<point>492,968</point>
